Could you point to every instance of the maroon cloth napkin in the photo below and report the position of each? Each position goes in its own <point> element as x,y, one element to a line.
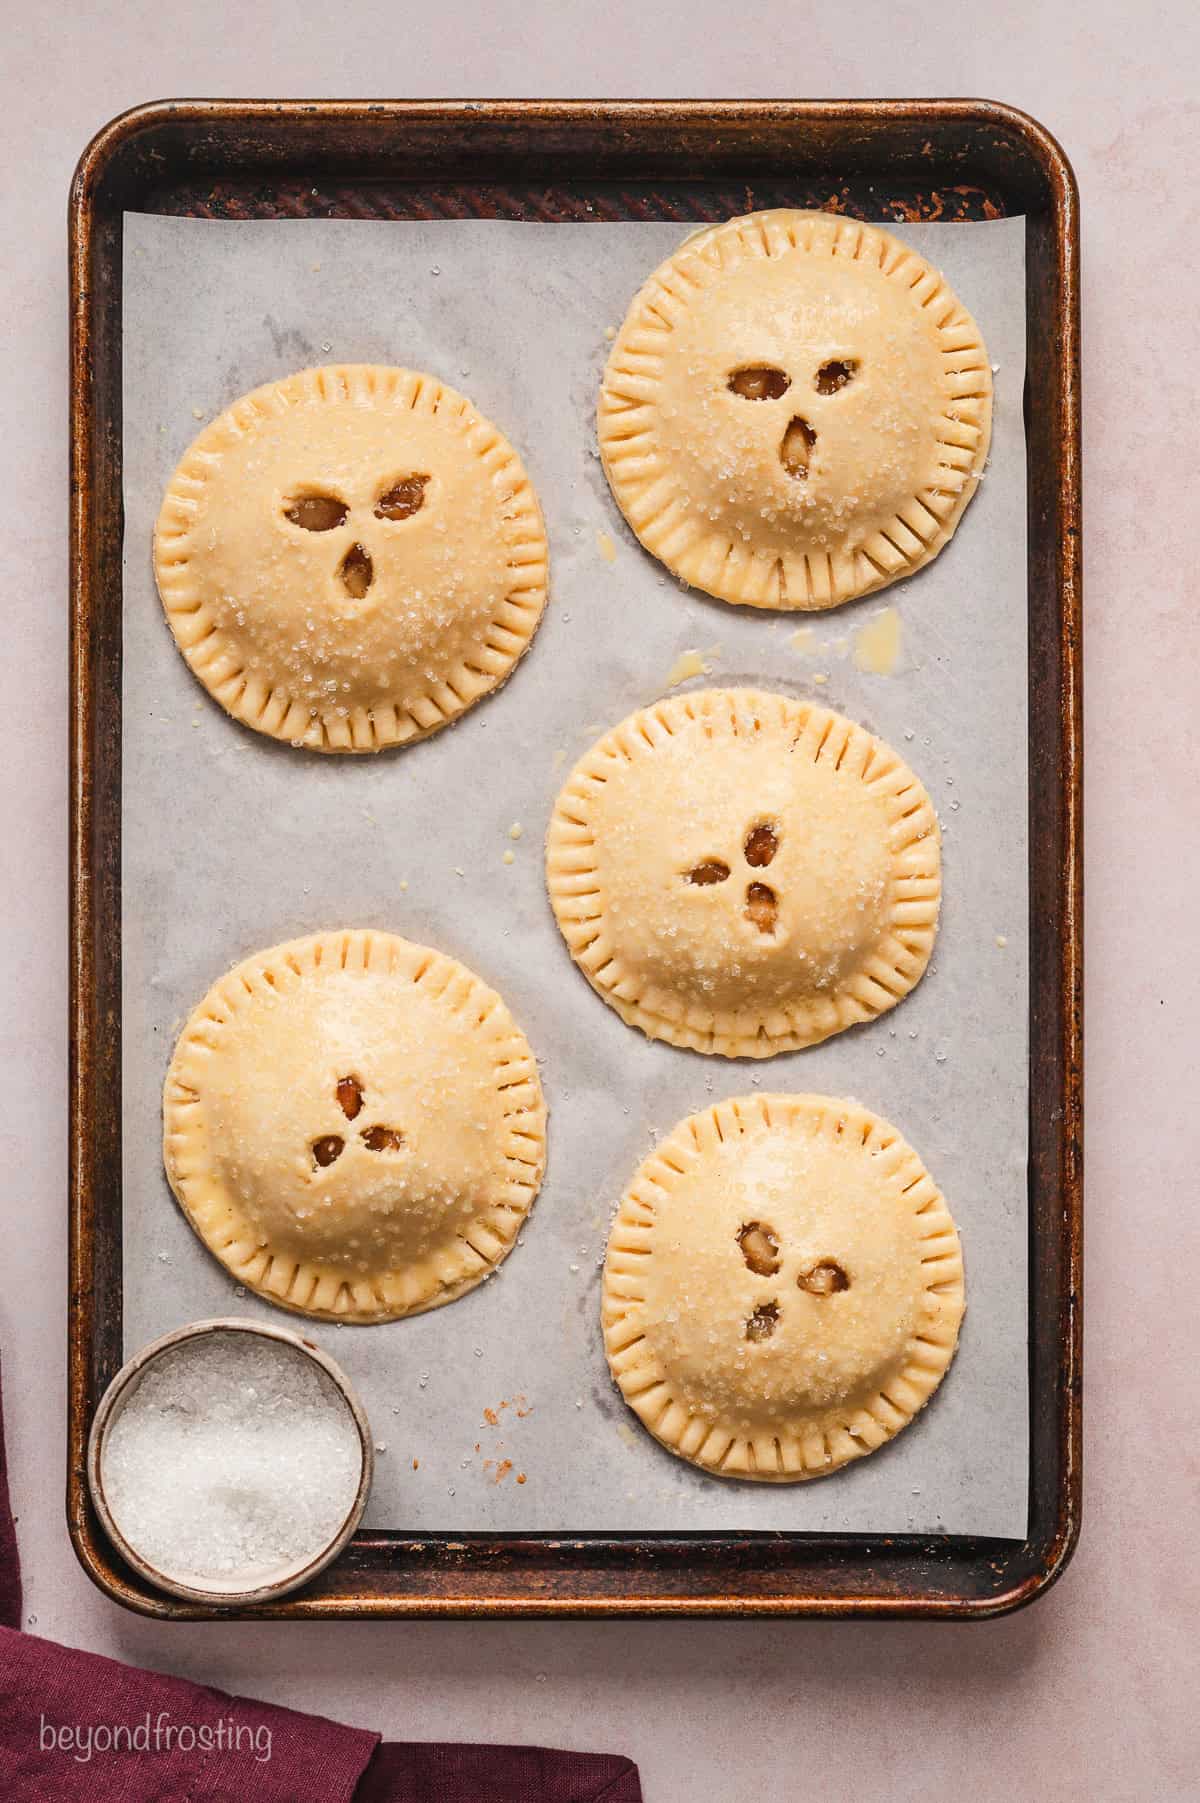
<point>406,1773</point>
<point>10,1564</point>
<point>75,1727</point>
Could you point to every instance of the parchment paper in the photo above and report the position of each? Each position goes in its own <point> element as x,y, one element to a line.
<point>231,843</point>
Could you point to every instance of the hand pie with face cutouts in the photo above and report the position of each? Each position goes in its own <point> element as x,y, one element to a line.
<point>354,1126</point>
<point>743,873</point>
<point>783,1287</point>
<point>351,557</point>
<point>796,410</point>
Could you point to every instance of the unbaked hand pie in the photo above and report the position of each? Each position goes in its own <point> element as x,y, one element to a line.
<point>354,1125</point>
<point>743,873</point>
<point>350,557</point>
<point>796,410</point>
<point>783,1287</point>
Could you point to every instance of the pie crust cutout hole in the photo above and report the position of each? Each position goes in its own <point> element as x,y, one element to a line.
<point>403,499</point>
<point>825,1278</point>
<point>357,571</point>
<point>763,1322</point>
<point>328,1149</point>
<point>835,374</point>
<point>349,1093</point>
<point>760,382</point>
<point>317,512</point>
<point>796,448</point>
<point>382,1139</point>
<point>762,842</point>
<point>712,870</point>
<point>760,1248</point>
<point>762,907</point>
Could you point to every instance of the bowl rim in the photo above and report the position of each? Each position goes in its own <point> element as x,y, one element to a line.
<point>117,1395</point>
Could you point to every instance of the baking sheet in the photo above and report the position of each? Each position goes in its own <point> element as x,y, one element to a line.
<point>232,842</point>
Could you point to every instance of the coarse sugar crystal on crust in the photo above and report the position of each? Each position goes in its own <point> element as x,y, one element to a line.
<point>783,1287</point>
<point>796,410</point>
<point>354,1125</point>
<point>351,557</point>
<point>743,873</point>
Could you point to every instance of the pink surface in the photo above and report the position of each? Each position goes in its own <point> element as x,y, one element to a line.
<point>1085,1695</point>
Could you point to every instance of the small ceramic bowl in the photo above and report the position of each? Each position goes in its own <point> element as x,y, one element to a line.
<point>289,1577</point>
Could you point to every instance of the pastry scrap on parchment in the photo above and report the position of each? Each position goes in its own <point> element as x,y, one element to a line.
<point>354,1126</point>
<point>783,1287</point>
<point>796,410</point>
<point>743,873</point>
<point>350,557</point>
